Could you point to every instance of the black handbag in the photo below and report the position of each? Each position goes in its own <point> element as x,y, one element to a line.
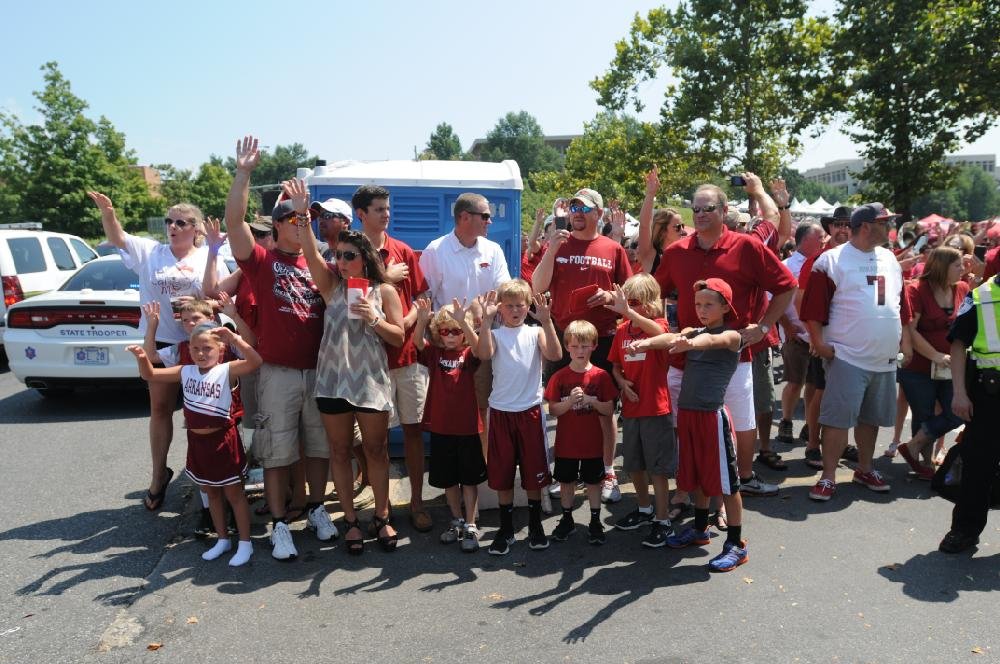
<point>948,478</point>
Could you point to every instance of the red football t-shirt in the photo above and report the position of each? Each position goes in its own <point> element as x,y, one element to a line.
<point>290,308</point>
<point>578,432</point>
<point>580,263</point>
<point>647,372</point>
<point>394,251</point>
<point>749,267</point>
<point>451,408</point>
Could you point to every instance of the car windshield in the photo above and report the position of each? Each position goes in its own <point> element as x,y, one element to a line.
<point>103,275</point>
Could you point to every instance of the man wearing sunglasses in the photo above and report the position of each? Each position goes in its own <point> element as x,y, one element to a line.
<point>408,377</point>
<point>290,321</point>
<point>858,318</point>
<point>752,270</point>
<point>578,259</point>
<point>331,216</point>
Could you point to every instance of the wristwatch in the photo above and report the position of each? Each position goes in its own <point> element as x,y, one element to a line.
<point>784,207</point>
<point>765,328</point>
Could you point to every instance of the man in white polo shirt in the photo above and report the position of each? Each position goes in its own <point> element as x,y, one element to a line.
<point>463,264</point>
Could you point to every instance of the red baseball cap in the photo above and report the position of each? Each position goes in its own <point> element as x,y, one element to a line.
<point>723,289</point>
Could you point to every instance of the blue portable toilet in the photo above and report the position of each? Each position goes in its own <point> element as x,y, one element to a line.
<point>422,196</point>
<point>422,202</point>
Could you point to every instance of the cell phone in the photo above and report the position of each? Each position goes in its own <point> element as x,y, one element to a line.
<point>980,252</point>
<point>920,244</point>
<point>737,181</point>
<point>561,223</point>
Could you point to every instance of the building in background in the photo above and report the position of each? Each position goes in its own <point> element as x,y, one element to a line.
<point>843,172</point>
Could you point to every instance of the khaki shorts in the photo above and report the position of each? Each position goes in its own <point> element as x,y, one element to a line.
<point>795,355</point>
<point>483,379</point>
<point>287,415</point>
<point>409,391</point>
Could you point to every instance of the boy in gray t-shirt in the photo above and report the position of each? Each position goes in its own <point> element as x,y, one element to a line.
<point>704,429</point>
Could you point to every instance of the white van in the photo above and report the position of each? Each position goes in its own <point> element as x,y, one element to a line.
<point>34,261</point>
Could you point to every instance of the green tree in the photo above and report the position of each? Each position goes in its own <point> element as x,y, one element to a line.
<point>745,73</point>
<point>443,144</point>
<point>973,196</point>
<point>46,168</point>
<point>207,189</point>
<point>275,166</point>
<point>805,190</point>
<point>518,136</point>
<point>920,77</point>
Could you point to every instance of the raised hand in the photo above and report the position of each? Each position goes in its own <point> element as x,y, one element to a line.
<point>540,215</point>
<point>213,233</point>
<point>558,239</point>
<point>563,205</point>
<point>228,305</point>
<point>652,181</point>
<point>225,334</point>
<point>753,183</point>
<point>619,303</point>
<point>152,311</point>
<point>102,202</point>
<point>488,304</point>
<point>424,311</point>
<point>298,192</point>
<point>247,154</point>
<point>137,351</point>
<point>458,310</point>
<point>617,222</point>
<point>779,192</point>
<point>543,308</point>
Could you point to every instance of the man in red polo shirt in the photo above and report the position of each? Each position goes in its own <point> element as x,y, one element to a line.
<point>408,377</point>
<point>751,270</point>
<point>580,258</point>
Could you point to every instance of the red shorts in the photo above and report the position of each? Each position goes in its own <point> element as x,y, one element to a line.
<point>706,454</point>
<point>217,458</point>
<point>517,440</point>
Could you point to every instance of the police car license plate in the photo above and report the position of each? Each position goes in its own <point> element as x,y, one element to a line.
<point>90,355</point>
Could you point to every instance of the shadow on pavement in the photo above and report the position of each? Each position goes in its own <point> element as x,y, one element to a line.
<point>29,407</point>
<point>941,577</point>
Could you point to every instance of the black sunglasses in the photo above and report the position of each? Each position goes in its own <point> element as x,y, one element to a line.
<point>178,223</point>
<point>332,215</point>
<point>260,235</point>
<point>705,208</point>
<point>485,216</point>
<point>346,255</point>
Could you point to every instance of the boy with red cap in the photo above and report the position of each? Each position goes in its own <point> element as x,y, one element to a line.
<point>707,454</point>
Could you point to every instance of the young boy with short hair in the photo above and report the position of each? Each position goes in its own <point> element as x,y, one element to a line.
<point>707,465</point>
<point>578,395</point>
<point>649,448</point>
<point>516,423</point>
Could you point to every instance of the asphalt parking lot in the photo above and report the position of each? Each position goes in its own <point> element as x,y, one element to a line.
<point>90,576</point>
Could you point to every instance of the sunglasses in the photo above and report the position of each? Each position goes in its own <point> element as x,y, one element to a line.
<point>346,255</point>
<point>580,208</point>
<point>485,216</point>
<point>260,235</point>
<point>450,332</point>
<point>332,215</point>
<point>678,227</point>
<point>178,223</point>
<point>706,208</point>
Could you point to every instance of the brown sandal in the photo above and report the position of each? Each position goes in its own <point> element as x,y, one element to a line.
<point>387,542</point>
<point>772,460</point>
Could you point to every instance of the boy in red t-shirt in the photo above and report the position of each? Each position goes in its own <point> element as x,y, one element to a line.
<point>649,448</point>
<point>578,395</point>
<point>451,414</point>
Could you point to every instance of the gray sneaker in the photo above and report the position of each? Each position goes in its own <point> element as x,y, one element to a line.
<point>470,539</point>
<point>755,487</point>
<point>454,532</point>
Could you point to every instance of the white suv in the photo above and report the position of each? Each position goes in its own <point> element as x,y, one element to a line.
<point>35,261</point>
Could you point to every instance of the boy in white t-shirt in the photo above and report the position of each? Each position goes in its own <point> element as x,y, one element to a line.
<point>516,423</point>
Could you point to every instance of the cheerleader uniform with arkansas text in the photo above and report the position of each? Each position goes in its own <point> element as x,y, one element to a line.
<point>215,458</point>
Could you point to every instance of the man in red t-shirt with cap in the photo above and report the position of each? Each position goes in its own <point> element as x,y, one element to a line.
<point>751,270</point>
<point>580,270</point>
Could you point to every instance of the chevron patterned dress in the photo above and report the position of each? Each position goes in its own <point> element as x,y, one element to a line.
<point>352,361</point>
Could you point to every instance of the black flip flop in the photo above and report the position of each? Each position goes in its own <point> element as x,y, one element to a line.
<point>154,501</point>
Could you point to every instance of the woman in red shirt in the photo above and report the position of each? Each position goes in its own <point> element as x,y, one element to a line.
<point>934,300</point>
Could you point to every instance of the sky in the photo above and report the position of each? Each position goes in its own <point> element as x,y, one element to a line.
<point>349,80</point>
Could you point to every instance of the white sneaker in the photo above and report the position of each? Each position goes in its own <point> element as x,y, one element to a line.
<point>610,493</point>
<point>281,541</point>
<point>320,521</point>
<point>757,487</point>
<point>470,539</point>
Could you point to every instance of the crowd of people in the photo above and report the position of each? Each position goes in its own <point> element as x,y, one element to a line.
<point>342,336</point>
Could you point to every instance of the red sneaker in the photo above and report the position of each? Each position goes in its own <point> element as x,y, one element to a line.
<point>872,479</point>
<point>823,490</point>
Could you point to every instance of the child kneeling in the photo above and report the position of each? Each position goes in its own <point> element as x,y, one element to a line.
<point>216,460</point>
<point>578,395</point>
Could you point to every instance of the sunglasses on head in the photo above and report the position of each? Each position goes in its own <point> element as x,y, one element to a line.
<point>450,332</point>
<point>178,223</point>
<point>580,208</point>
<point>704,208</point>
<point>346,255</point>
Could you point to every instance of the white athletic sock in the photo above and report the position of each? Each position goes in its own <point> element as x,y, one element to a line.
<point>220,548</point>
<point>243,552</point>
<point>609,470</point>
<point>204,499</point>
<point>648,509</point>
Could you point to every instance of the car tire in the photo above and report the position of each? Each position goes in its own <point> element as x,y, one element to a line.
<point>54,392</point>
